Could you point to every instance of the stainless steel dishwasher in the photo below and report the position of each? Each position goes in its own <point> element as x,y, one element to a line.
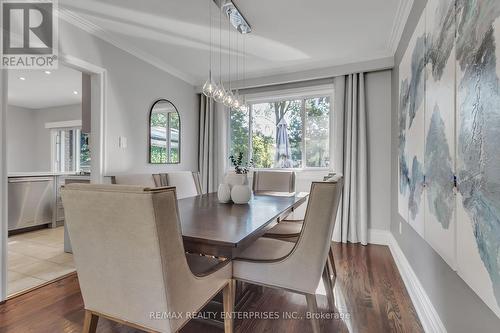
<point>31,201</point>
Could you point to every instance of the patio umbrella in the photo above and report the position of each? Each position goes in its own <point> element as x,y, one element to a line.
<point>282,157</point>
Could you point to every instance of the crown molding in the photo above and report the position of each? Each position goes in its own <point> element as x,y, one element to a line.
<point>369,65</point>
<point>80,22</point>
<point>398,25</point>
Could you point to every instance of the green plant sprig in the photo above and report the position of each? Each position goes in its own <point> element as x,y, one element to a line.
<point>239,167</point>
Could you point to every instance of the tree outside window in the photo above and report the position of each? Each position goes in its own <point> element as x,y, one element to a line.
<point>284,134</point>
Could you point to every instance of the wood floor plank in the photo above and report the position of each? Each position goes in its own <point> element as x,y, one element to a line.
<point>368,289</point>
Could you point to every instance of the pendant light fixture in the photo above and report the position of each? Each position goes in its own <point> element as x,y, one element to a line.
<point>236,98</point>
<point>219,92</point>
<point>228,99</point>
<point>243,102</point>
<point>210,87</point>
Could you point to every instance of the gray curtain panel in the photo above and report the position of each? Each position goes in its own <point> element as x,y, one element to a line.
<point>206,158</point>
<point>351,158</point>
<point>212,143</point>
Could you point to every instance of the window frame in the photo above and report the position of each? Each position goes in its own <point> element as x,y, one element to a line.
<point>288,94</point>
<point>57,164</point>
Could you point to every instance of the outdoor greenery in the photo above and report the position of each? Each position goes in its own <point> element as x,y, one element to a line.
<point>239,166</point>
<point>265,117</point>
<point>317,132</point>
<point>239,133</point>
<point>84,152</point>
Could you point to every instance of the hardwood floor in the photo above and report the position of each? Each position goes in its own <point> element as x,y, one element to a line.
<point>369,293</point>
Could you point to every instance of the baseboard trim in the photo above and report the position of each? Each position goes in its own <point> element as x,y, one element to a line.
<point>427,314</point>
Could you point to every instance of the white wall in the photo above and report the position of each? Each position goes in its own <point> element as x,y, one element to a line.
<point>43,116</point>
<point>132,86</point>
<point>21,138</point>
<point>3,184</point>
<point>378,109</point>
<point>28,147</point>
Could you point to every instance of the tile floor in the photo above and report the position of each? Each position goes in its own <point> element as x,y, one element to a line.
<point>35,258</point>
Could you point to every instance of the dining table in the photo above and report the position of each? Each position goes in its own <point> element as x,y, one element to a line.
<point>224,230</point>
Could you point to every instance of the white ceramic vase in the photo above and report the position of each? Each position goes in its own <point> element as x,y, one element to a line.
<point>236,179</point>
<point>224,193</point>
<point>241,194</point>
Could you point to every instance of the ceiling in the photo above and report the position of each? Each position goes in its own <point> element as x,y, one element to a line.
<point>288,35</point>
<point>40,90</point>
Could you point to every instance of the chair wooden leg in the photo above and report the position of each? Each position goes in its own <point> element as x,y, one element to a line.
<point>90,322</point>
<point>312,307</point>
<point>327,282</point>
<point>228,294</point>
<point>332,262</point>
<point>329,265</point>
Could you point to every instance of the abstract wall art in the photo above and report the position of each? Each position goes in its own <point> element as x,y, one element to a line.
<point>440,203</point>
<point>449,138</point>
<point>478,147</point>
<point>411,128</point>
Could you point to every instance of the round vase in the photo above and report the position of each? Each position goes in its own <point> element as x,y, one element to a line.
<point>224,193</point>
<point>241,194</point>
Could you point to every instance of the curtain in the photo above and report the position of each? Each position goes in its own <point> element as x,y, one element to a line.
<point>212,138</point>
<point>351,158</point>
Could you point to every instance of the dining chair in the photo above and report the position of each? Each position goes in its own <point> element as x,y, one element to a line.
<point>142,179</point>
<point>130,259</point>
<point>299,266</point>
<point>187,183</point>
<point>290,228</point>
<point>273,181</point>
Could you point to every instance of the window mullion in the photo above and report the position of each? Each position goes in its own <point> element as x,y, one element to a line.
<point>78,149</point>
<point>250,131</point>
<point>303,143</point>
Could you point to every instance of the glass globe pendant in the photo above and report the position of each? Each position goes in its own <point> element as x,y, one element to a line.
<point>228,99</point>
<point>209,87</point>
<point>244,108</point>
<point>219,93</point>
<point>236,101</point>
<point>243,104</point>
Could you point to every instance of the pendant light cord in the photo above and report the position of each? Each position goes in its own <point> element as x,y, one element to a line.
<point>211,43</point>
<point>220,46</point>
<point>229,50</point>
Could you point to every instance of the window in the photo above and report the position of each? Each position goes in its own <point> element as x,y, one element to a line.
<point>70,150</point>
<point>283,133</point>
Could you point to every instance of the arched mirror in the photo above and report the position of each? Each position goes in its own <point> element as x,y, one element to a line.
<point>164,133</point>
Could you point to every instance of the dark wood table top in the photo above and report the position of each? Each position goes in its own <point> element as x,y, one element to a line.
<point>214,228</point>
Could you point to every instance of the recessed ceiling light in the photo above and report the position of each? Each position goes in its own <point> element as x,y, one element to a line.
<point>22,78</point>
<point>75,92</point>
<point>47,72</point>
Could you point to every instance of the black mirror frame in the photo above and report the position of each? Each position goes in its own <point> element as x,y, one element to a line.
<point>149,130</point>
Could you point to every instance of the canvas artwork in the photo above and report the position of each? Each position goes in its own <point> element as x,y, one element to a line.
<point>440,203</point>
<point>449,138</point>
<point>478,147</point>
<point>411,129</point>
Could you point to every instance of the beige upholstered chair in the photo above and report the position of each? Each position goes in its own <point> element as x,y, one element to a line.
<point>273,181</point>
<point>147,180</point>
<point>299,266</point>
<point>289,229</point>
<point>130,258</point>
<point>187,183</point>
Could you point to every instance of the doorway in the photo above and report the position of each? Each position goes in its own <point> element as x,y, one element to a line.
<point>53,233</point>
